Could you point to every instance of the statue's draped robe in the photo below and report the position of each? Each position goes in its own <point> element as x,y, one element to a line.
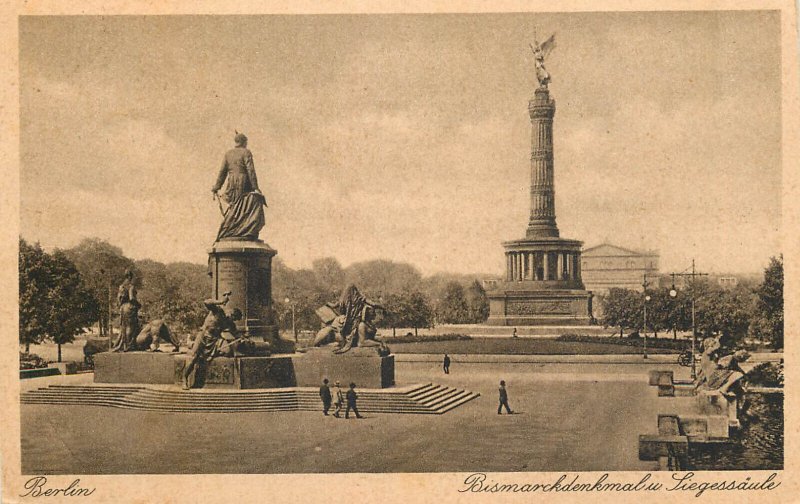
<point>245,215</point>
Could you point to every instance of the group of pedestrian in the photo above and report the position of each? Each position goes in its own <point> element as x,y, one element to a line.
<point>327,399</point>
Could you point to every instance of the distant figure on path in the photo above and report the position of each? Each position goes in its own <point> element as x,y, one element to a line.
<point>446,364</point>
<point>514,334</point>
<point>351,402</point>
<point>325,395</point>
<point>503,399</point>
<point>339,400</point>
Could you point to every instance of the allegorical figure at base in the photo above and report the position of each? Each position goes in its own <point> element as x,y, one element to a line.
<point>350,322</point>
<point>128,314</point>
<point>211,342</point>
<point>244,217</point>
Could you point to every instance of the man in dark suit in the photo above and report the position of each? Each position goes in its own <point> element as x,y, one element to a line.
<point>351,402</point>
<point>325,395</point>
<point>446,364</point>
<point>503,399</point>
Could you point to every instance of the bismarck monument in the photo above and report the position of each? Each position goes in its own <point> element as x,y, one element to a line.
<point>543,283</point>
<point>238,261</point>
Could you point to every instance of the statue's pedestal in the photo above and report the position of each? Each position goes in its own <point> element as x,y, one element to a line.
<point>244,267</point>
<point>543,285</point>
<point>135,367</point>
<point>362,366</point>
<point>274,371</point>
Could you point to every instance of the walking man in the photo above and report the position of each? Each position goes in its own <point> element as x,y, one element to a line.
<point>325,395</point>
<point>339,400</point>
<point>351,402</point>
<point>503,399</point>
<point>514,334</point>
<point>446,364</point>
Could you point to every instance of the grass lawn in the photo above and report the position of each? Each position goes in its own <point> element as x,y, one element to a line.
<point>522,346</point>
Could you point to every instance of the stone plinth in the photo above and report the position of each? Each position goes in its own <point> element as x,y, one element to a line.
<point>222,372</point>
<point>244,267</point>
<point>543,283</point>
<point>363,366</point>
<point>134,367</point>
<point>240,372</point>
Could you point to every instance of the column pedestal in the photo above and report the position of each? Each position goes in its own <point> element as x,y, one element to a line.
<point>244,267</point>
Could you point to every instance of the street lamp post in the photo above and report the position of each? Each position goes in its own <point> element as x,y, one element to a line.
<point>294,327</point>
<point>674,293</point>
<point>646,300</point>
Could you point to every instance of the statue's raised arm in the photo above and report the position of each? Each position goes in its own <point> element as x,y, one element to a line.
<point>540,52</point>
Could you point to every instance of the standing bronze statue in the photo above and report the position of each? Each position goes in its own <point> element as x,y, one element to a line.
<point>244,217</point>
<point>540,52</point>
<point>128,314</point>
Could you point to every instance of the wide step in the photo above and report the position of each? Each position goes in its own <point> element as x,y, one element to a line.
<point>419,399</point>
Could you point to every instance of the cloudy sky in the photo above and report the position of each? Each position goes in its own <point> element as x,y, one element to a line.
<point>405,136</point>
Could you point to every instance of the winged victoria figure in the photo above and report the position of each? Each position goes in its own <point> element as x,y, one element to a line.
<point>540,52</point>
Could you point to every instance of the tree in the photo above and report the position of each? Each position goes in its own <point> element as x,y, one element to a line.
<point>174,293</point>
<point>722,312</point>
<point>453,309</point>
<point>381,277</point>
<point>102,267</point>
<point>420,311</point>
<point>768,316</point>
<point>71,306</point>
<point>407,310</point>
<point>54,303</point>
<point>33,273</point>
<point>623,308</point>
<point>329,273</point>
<point>477,303</point>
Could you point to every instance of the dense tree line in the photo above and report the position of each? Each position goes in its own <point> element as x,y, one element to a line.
<point>410,300</point>
<point>82,282</point>
<point>732,313</point>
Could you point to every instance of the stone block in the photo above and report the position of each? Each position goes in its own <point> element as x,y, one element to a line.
<point>658,377</point>
<point>669,425</point>
<point>106,367</point>
<point>134,367</point>
<point>711,402</point>
<point>362,366</point>
<point>65,368</point>
<point>718,426</point>
<point>694,425</point>
<point>666,391</point>
<point>684,390</point>
<point>652,447</point>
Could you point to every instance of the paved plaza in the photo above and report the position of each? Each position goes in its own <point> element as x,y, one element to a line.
<point>568,417</point>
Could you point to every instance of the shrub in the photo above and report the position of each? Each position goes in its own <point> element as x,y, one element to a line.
<point>766,374</point>
<point>31,361</point>
<point>630,341</point>
<point>410,338</point>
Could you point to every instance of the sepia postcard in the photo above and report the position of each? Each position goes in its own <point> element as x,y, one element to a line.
<point>399,251</point>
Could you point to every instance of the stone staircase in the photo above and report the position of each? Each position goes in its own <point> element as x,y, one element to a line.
<point>425,398</point>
